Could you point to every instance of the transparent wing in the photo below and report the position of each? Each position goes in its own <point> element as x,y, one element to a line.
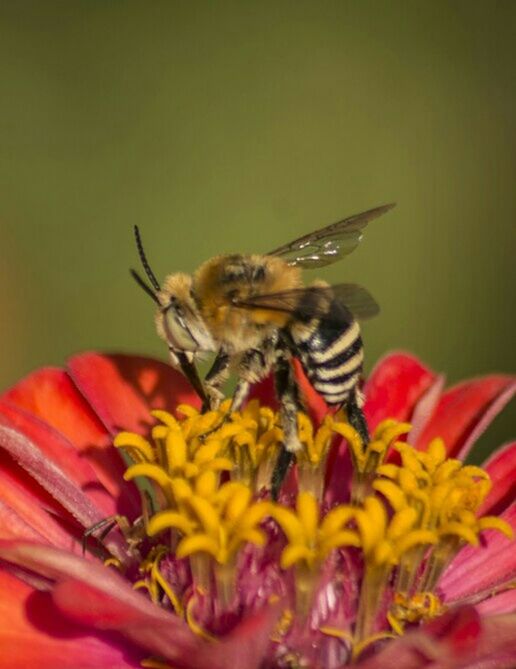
<point>315,301</point>
<point>328,244</point>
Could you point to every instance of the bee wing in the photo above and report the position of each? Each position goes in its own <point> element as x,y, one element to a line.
<point>315,301</point>
<point>328,244</point>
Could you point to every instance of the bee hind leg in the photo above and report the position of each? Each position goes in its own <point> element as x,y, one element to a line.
<point>356,416</point>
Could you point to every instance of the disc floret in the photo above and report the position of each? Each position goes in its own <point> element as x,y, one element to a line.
<point>209,509</point>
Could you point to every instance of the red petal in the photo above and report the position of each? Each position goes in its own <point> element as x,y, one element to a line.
<point>315,404</point>
<point>265,393</point>
<point>394,387</point>
<point>501,467</point>
<point>13,526</point>
<point>33,633</point>
<point>466,410</point>
<point>122,389</point>
<point>50,395</point>
<point>477,571</point>
<point>22,517</point>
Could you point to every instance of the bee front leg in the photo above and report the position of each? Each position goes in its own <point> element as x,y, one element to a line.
<point>215,378</point>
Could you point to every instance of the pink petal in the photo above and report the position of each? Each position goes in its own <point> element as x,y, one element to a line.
<point>94,595</point>
<point>465,411</point>
<point>23,518</point>
<point>501,467</point>
<point>460,639</point>
<point>50,395</point>
<point>439,643</point>
<point>33,633</point>
<point>246,646</point>
<point>49,476</point>
<point>56,449</point>
<point>56,482</point>
<point>424,408</point>
<point>122,389</point>
<point>339,474</point>
<point>476,572</point>
<point>505,602</point>
<point>394,387</point>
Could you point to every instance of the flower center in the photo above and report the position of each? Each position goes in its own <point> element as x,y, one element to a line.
<point>216,545</point>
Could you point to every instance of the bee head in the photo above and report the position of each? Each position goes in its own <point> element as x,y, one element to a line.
<point>178,320</point>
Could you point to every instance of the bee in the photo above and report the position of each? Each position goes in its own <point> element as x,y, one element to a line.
<point>255,314</point>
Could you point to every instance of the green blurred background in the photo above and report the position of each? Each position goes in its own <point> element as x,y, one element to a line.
<point>221,126</point>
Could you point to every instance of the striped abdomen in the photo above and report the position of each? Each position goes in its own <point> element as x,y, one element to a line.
<point>330,350</point>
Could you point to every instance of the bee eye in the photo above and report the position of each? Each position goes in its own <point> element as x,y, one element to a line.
<point>178,334</point>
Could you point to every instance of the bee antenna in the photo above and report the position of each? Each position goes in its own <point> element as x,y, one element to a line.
<point>144,286</point>
<point>144,261</point>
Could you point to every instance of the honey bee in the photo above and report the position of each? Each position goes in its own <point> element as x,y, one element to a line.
<point>255,314</point>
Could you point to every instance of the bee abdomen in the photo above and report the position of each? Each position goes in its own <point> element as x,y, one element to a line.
<point>332,356</point>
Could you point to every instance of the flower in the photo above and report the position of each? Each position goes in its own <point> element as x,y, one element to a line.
<point>379,553</point>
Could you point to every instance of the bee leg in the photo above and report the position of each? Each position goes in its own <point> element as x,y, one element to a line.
<point>216,376</point>
<point>280,471</point>
<point>106,525</point>
<point>180,360</point>
<point>239,396</point>
<point>253,366</point>
<point>356,417</point>
<point>290,403</point>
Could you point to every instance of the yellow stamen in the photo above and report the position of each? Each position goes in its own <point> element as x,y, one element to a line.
<point>407,520</point>
<point>193,624</point>
<point>358,647</point>
<point>367,458</point>
<point>138,448</point>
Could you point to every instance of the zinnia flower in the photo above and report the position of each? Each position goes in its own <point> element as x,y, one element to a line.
<point>390,553</point>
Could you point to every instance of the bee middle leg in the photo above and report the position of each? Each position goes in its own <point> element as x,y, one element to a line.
<point>289,398</point>
<point>252,366</point>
